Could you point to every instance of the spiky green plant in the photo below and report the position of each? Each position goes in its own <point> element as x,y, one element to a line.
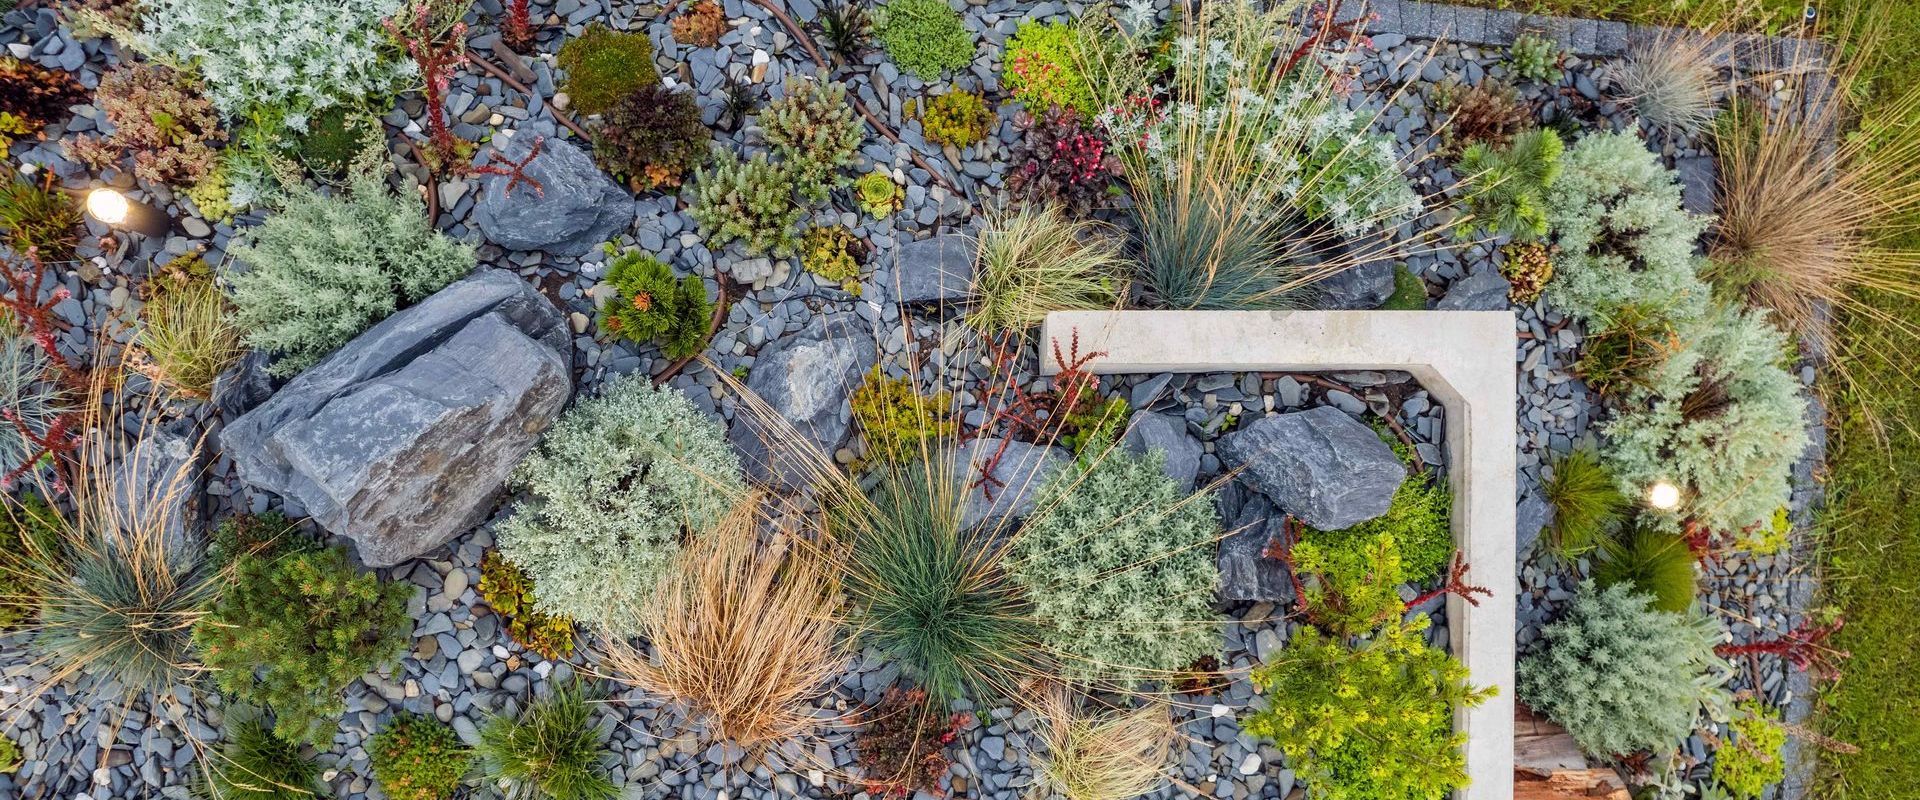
<point>650,305</point>
<point>254,764</point>
<point>751,201</point>
<point>1535,58</point>
<point>814,131</point>
<point>1039,260</point>
<point>1506,188</point>
<point>929,593</point>
<point>188,337</point>
<point>550,752</point>
<point>1652,561</point>
<point>1587,505</point>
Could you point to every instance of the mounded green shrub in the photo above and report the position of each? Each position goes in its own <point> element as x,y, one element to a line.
<point>1722,419</point>
<point>604,65</point>
<point>925,37</point>
<point>610,492</point>
<point>1624,237</point>
<point>295,625</point>
<point>1419,521</point>
<point>1622,676</point>
<point>650,305</point>
<point>1118,563</point>
<point>1368,723</point>
<point>748,200</point>
<point>327,267</point>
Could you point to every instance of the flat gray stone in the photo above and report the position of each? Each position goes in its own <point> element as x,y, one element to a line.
<point>1015,480</point>
<point>403,438</point>
<point>575,208</point>
<point>1699,184</point>
<point>806,379</point>
<point>1482,290</point>
<point>1149,432</point>
<point>244,385</point>
<point>1246,573</point>
<point>1357,288</point>
<point>1320,465</point>
<point>936,270</point>
<point>163,469</point>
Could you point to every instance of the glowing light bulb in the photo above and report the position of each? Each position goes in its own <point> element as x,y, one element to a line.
<point>108,206</point>
<point>1663,495</point>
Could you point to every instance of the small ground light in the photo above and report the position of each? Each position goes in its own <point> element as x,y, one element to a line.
<point>114,208</point>
<point>1663,496</point>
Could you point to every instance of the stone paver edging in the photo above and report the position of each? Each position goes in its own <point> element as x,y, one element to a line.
<point>1465,360</point>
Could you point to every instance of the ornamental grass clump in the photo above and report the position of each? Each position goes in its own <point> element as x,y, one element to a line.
<point>1037,260</point>
<point>550,752</point>
<point>1116,755</point>
<point>277,62</point>
<point>750,201</point>
<point>610,494</point>
<point>649,304</point>
<point>1588,505</point>
<point>1373,722</point>
<point>1722,419</point>
<point>1670,80</point>
<point>329,266</point>
<point>743,633</point>
<point>814,131</point>
<point>925,37</point>
<point>652,137</point>
<point>159,117</point>
<point>1654,562</point>
<point>189,338</point>
<point>1117,561</point>
<point>603,66</point>
<point>418,758</point>
<point>297,624</point>
<point>1623,235</point>
<point>1622,676</point>
<point>928,592</point>
<point>254,764</point>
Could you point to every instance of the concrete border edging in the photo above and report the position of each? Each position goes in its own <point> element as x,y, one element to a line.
<point>1465,360</point>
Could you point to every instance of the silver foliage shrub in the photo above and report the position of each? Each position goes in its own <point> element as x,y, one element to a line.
<point>1623,236</point>
<point>610,493</point>
<point>1118,564</point>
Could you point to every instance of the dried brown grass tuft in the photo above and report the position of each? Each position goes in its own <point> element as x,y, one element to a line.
<point>1112,756</point>
<point>744,633</point>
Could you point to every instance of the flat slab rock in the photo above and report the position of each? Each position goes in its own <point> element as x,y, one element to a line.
<point>936,270</point>
<point>403,438</point>
<point>569,208</point>
<point>1320,465</point>
<point>1014,484</point>
<point>807,379</point>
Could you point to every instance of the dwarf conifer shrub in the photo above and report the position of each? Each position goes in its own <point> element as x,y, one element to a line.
<point>1721,418</point>
<point>1119,568</point>
<point>294,626</point>
<point>1507,187</point>
<point>604,65</point>
<point>1367,723</point>
<point>925,37</point>
<point>610,493</point>
<point>650,305</point>
<point>1620,675</point>
<point>327,267</point>
<point>1624,239</point>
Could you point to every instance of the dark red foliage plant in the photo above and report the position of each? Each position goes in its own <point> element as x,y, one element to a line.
<point>1061,159</point>
<point>516,30</point>
<point>903,748</point>
<point>652,138</point>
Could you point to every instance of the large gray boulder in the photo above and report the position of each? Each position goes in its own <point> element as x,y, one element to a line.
<point>1319,465</point>
<point>1148,432</point>
<point>1247,572</point>
<point>1012,484</point>
<point>569,208</point>
<point>403,438</point>
<point>806,379</point>
<point>936,270</point>
<point>158,479</point>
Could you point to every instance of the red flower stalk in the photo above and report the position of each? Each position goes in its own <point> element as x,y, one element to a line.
<point>1326,30</point>
<point>436,60</point>
<point>1805,647</point>
<point>516,171</point>
<point>516,31</point>
<point>1456,585</point>
<point>25,279</point>
<point>1041,416</point>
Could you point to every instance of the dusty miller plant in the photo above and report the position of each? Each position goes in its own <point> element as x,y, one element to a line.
<point>610,493</point>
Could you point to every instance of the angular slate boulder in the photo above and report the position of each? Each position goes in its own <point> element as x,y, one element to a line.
<point>935,270</point>
<point>1014,481</point>
<point>807,379</point>
<point>1148,432</point>
<point>1247,574</point>
<point>403,438</point>
<point>575,208</point>
<point>1319,465</point>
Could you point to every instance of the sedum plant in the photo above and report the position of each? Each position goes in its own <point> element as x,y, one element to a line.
<point>650,305</point>
<point>1118,563</point>
<point>1536,58</point>
<point>1622,676</point>
<point>1721,418</point>
<point>328,267</point>
<point>958,118</point>
<point>1373,722</point>
<point>1060,160</point>
<point>652,137</point>
<point>1041,68</point>
<point>1750,759</point>
<point>925,37</point>
<point>1527,266</point>
<point>1616,215</point>
<point>33,97</point>
<point>610,494</point>
<point>507,590</point>
<point>1506,188</point>
<point>751,201</point>
<point>899,423</point>
<point>418,758</point>
<point>276,62</point>
<point>159,116</point>
<point>1489,113</point>
<point>295,625</point>
<point>834,253</point>
<point>814,132</point>
<point>604,66</point>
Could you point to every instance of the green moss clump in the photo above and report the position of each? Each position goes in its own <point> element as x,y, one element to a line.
<point>9,752</point>
<point>334,138</point>
<point>650,305</point>
<point>418,758</point>
<point>1042,68</point>
<point>1409,292</point>
<point>1419,522</point>
<point>604,65</point>
<point>925,37</point>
